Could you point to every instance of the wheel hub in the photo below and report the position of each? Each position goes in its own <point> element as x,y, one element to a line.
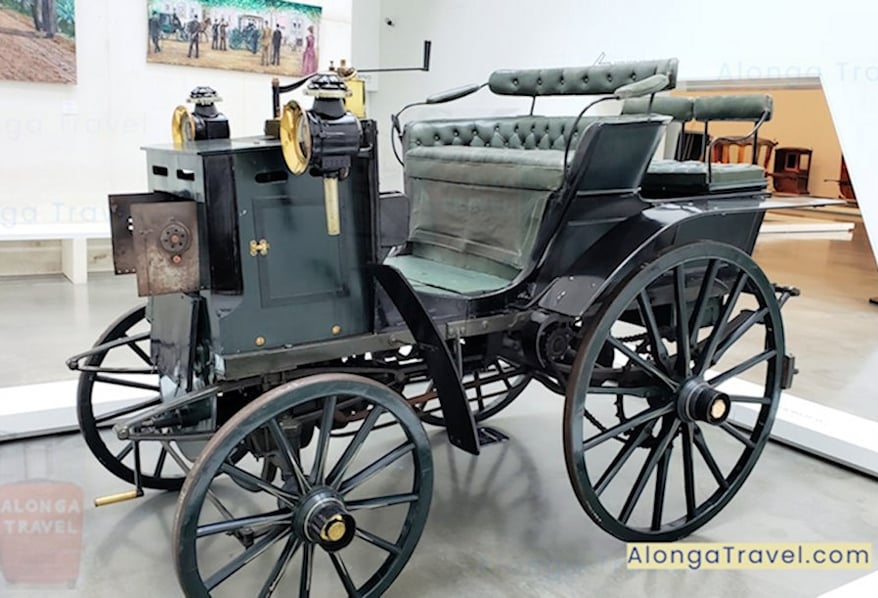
<point>322,518</point>
<point>699,401</point>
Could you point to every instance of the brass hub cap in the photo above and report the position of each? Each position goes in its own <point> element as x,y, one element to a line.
<point>323,518</point>
<point>698,401</point>
<point>334,530</point>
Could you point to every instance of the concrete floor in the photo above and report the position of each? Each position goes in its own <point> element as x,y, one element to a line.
<point>505,523</point>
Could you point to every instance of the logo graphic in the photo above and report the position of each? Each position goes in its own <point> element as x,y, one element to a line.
<point>41,532</point>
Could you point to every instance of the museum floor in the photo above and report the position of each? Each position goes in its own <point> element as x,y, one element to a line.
<point>505,523</point>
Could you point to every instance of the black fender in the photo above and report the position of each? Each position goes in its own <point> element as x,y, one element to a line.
<point>641,238</point>
<point>459,422</point>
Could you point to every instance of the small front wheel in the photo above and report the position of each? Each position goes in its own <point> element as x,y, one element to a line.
<point>346,513</point>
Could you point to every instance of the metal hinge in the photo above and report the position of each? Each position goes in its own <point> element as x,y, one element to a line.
<point>260,248</point>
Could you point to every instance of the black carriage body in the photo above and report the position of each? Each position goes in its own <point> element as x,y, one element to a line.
<point>553,249</point>
<point>269,274</point>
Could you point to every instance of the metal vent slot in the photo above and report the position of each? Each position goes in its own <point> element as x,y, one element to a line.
<point>274,176</point>
<point>185,175</point>
<point>160,171</point>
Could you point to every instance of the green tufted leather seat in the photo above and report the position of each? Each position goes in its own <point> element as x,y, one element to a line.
<point>666,177</point>
<point>692,176</point>
<point>479,187</point>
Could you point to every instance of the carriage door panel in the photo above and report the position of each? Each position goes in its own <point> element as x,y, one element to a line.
<point>302,264</point>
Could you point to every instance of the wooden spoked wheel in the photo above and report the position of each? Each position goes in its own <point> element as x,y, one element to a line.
<point>342,519</point>
<point>650,449</point>
<point>121,382</point>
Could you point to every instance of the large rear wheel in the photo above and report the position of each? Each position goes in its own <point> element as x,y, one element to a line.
<point>650,450</point>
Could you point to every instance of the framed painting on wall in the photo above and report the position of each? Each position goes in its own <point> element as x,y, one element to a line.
<point>262,36</point>
<point>38,40</point>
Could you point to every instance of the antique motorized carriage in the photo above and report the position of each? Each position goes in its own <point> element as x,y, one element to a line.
<point>287,363</point>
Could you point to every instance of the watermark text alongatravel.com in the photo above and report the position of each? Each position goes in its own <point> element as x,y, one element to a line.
<point>781,556</point>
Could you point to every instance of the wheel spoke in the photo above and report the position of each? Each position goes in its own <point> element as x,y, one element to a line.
<point>648,466</point>
<point>288,455</point>
<point>378,541</point>
<point>126,383</point>
<point>505,379</point>
<point>248,479</point>
<point>684,355</point>
<point>737,435</point>
<point>274,518</point>
<point>688,472</point>
<point>701,303</point>
<point>621,458</point>
<point>641,418</point>
<point>307,568</point>
<point>280,567</point>
<point>738,331</point>
<point>123,411</point>
<point>381,501</point>
<point>335,476</point>
<point>743,399</point>
<point>160,463</point>
<point>343,574</point>
<point>140,353</point>
<point>705,360</point>
<point>634,391</point>
<point>319,467</point>
<point>375,468</point>
<point>126,450</point>
<point>245,557</point>
<point>661,484</point>
<point>480,400</point>
<point>742,367</point>
<point>643,363</point>
<point>647,315</point>
<point>701,445</point>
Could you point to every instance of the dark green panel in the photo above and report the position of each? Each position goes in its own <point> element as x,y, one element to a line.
<point>304,263</point>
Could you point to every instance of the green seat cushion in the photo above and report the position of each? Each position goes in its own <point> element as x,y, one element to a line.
<point>440,278</point>
<point>513,168</point>
<point>667,174</point>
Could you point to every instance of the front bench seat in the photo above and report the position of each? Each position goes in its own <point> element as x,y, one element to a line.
<point>479,188</point>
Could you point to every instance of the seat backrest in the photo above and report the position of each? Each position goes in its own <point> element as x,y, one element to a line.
<point>598,79</point>
<point>680,109</point>
<point>513,132</point>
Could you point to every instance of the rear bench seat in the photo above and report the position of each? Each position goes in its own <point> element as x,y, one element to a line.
<point>670,177</point>
<point>479,187</point>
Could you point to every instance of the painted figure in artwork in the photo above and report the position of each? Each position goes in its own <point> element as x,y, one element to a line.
<point>276,40</point>
<point>194,30</point>
<point>266,46</point>
<point>155,31</point>
<point>309,58</point>
<point>224,33</point>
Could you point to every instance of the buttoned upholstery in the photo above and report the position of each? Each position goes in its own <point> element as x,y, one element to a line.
<point>515,132</point>
<point>599,79</point>
<point>479,187</point>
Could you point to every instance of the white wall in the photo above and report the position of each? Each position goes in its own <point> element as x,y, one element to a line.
<point>747,39</point>
<point>64,148</point>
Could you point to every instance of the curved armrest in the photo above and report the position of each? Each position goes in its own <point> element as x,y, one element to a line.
<point>454,94</point>
<point>714,141</point>
<point>650,85</point>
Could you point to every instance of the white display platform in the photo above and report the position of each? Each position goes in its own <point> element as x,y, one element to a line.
<point>74,238</point>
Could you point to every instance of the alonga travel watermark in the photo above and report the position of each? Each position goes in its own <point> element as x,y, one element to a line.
<point>696,556</point>
<point>41,533</point>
